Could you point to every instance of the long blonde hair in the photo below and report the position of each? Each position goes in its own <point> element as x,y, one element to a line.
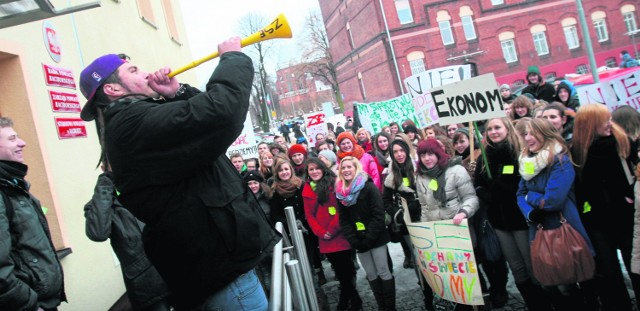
<point>545,133</point>
<point>588,119</point>
<point>355,163</point>
<point>512,135</point>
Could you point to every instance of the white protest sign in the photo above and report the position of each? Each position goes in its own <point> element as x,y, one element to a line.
<point>419,85</point>
<point>314,125</point>
<point>619,91</point>
<point>445,257</point>
<point>468,100</point>
<point>246,142</point>
<point>374,116</point>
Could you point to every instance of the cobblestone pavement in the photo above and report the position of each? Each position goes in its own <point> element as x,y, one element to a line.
<point>408,294</point>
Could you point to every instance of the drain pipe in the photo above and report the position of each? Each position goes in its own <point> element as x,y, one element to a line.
<point>393,54</point>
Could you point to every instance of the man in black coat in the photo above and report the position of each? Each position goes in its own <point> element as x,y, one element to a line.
<point>166,142</point>
<point>537,86</point>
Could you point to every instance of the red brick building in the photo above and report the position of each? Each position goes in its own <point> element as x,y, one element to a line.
<point>375,48</point>
<point>299,92</point>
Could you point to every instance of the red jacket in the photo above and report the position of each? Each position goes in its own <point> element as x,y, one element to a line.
<point>321,221</point>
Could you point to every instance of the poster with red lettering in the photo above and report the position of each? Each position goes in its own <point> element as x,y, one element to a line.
<point>314,124</point>
<point>70,128</point>
<point>246,143</point>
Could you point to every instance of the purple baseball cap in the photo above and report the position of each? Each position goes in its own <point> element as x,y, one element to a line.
<point>92,77</point>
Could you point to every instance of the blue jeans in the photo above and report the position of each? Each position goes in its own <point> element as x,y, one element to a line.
<point>244,293</point>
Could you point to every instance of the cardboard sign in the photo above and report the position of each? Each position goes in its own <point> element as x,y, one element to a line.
<point>245,143</point>
<point>374,116</point>
<point>445,257</point>
<point>70,128</point>
<point>619,91</point>
<point>314,125</point>
<point>55,76</point>
<point>468,100</point>
<point>64,102</point>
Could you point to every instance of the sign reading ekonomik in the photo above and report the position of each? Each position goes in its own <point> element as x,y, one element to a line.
<point>55,76</point>
<point>70,128</point>
<point>468,100</point>
<point>64,101</point>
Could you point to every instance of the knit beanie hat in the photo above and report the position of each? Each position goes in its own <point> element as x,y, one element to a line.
<point>297,148</point>
<point>505,87</point>
<point>252,175</point>
<point>410,128</point>
<point>533,69</point>
<point>432,146</point>
<point>348,136</point>
<point>463,130</point>
<point>329,155</point>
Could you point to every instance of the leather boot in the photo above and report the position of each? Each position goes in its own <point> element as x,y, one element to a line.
<point>534,296</point>
<point>389,294</point>
<point>376,288</point>
<point>343,301</point>
<point>356,301</point>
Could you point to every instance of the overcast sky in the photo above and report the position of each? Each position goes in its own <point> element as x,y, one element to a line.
<point>209,22</point>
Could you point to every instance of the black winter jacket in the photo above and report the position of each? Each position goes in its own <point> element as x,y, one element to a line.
<point>106,218</point>
<point>30,272</point>
<point>545,91</point>
<point>204,227</point>
<point>368,210</point>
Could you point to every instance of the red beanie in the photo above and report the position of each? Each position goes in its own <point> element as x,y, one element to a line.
<point>297,148</point>
<point>432,146</point>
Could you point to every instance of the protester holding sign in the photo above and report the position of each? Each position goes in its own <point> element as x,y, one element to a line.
<point>600,150</point>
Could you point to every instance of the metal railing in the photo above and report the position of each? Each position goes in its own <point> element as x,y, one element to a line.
<point>291,275</point>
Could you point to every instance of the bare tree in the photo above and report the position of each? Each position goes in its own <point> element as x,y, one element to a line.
<point>248,25</point>
<point>316,56</point>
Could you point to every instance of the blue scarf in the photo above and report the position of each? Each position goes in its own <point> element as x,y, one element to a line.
<point>349,196</point>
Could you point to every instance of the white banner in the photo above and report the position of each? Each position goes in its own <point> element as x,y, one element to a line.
<point>468,100</point>
<point>419,85</point>
<point>619,91</point>
<point>246,142</point>
<point>314,125</point>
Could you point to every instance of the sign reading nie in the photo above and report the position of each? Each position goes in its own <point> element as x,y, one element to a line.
<point>468,100</point>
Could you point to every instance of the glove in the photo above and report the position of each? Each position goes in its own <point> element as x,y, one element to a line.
<point>536,215</point>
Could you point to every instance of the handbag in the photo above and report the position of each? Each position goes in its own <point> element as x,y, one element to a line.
<point>561,256</point>
<point>489,245</point>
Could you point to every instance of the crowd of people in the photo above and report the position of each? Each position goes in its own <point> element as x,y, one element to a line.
<point>194,228</point>
<point>548,160</point>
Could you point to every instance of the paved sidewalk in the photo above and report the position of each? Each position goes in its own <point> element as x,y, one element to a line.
<point>408,294</point>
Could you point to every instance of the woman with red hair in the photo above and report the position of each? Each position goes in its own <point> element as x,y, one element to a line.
<point>349,147</point>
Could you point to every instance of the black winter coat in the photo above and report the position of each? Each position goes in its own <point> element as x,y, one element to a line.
<point>498,194</point>
<point>368,210</point>
<point>545,91</point>
<point>204,227</point>
<point>278,203</point>
<point>106,218</point>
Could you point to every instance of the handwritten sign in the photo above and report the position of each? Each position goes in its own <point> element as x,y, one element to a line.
<point>314,125</point>
<point>468,100</point>
<point>374,116</point>
<point>620,91</point>
<point>419,85</point>
<point>245,143</point>
<point>445,257</point>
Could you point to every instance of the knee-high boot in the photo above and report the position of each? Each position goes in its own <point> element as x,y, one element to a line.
<point>389,294</point>
<point>376,288</point>
<point>534,296</point>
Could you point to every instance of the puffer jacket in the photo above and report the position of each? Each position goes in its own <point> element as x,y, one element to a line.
<point>30,272</point>
<point>459,190</point>
<point>106,218</point>
<point>204,228</point>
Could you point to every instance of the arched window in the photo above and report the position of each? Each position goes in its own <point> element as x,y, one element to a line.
<point>403,8</point>
<point>600,25</point>
<point>629,16</point>
<point>539,34</point>
<point>508,44</point>
<point>571,32</point>
<point>611,62</point>
<point>444,23</point>
<point>582,69</point>
<point>466,16</point>
<point>416,62</point>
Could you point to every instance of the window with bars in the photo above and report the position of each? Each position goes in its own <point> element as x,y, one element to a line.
<point>611,62</point>
<point>417,65</point>
<point>540,43</point>
<point>509,50</point>
<point>582,69</point>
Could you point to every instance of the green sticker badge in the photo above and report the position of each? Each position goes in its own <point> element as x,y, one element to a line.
<point>507,170</point>
<point>405,181</point>
<point>359,226</point>
<point>332,210</point>
<point>586,208</point>
<point>433,185</point>
<point>529,168</point>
